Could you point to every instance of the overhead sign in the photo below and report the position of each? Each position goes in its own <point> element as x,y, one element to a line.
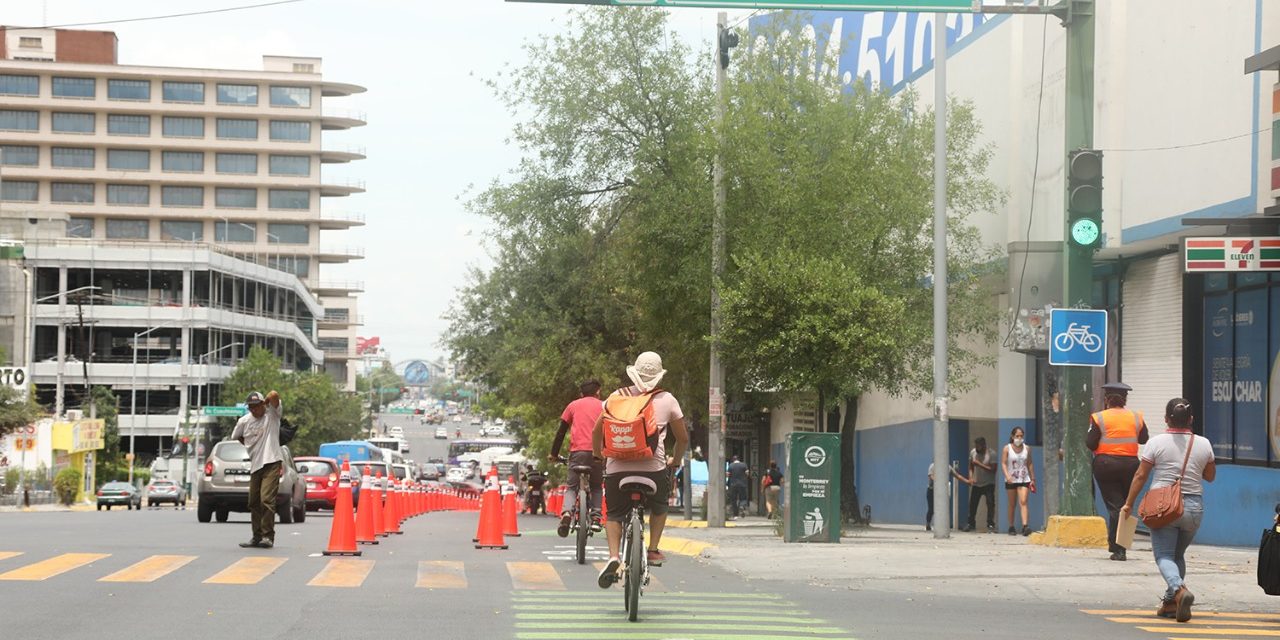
<point>1078,337</point>
<point>234,412</point>
<point>932,6</point>
<point>417,372</point>
<point>1232,254</point>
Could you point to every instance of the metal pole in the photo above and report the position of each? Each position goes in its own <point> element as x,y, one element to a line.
<point>687,488</point>
<point>133,405</point>
<point>715,418</point>
<point>941,431</point>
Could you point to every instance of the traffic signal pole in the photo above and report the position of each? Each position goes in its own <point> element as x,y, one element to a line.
<point>715,497</point>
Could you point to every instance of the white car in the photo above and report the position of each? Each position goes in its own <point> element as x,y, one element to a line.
<point>442,433</point>
<point>492,431</point>
<point>457,474</point>
<point>457,417</point>
<point>396,431</point>
<point>475,422</point>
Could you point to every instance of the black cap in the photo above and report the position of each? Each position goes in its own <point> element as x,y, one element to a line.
<point>1117,386</point>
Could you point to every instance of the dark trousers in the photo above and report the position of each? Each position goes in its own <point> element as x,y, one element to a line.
<point>976,494</point>
<point>1114,475</point>
<point>263,485</point>
<point>738,498</point>
<point>928,516</point>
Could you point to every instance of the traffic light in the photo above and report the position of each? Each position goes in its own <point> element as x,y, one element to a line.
<point>728,39</point>
<point>1084,198</point>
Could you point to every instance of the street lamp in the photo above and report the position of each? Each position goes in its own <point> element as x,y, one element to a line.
<point>62,350</point>
<point>191,446</point>
<point>133,391</point>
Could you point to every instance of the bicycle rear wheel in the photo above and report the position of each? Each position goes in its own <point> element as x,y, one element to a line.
<point>584,526</point>
<point>635,565</point>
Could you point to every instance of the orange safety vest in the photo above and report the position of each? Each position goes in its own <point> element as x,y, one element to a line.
<point>1119,429</point>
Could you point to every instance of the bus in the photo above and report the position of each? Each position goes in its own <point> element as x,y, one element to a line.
<point>398,445</point>
<point>462,447</point>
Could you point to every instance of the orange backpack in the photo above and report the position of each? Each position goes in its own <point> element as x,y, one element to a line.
<point>630,432</point>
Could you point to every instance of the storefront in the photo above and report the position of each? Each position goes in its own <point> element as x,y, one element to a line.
<point>74,445</point>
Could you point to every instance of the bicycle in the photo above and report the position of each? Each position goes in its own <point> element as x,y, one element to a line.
<point>580,523</point>
<point>634,568</point>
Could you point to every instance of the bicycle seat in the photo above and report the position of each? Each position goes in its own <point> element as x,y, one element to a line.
<point>638,484</point>
<point>581,468</point>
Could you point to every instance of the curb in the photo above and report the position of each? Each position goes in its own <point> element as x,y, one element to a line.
<point>684,546</point>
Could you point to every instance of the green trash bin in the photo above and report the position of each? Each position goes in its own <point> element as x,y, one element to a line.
<point>811,512</point>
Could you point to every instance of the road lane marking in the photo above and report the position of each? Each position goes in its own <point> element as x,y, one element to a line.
<point>619,624</point>
<point>149,570</point>
<point>535,576</point>
<point>655,585</point>
<point>246,571</point>
<point>5,555</point>
<point>1207,614</point>
<point>1215,632</point>
<point>56,565</point>
<point>659,635</point>
<point>1197,620</point>
<point>441,574</point>
<point>682,595</point>
<point>343,572</point>
<point>684,617</point>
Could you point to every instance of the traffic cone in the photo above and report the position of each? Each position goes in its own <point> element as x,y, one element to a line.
<point>342,534</point>
<point>510,524</point>
<point>379,524</point>
<point>364,515</point>
<point>490,534</point>
<point>391,514</point>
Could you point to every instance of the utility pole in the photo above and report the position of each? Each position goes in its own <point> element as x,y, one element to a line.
<point>725,40</point>
<point>941,421</point>
<point>1077,382</point>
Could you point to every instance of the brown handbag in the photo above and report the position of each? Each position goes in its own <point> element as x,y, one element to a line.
<point>1164,505</point>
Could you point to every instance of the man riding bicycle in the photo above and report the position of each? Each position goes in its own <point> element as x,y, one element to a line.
<point>578,419</point>
<point>666,415</point>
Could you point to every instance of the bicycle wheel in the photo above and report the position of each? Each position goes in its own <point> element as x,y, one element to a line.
<point>635,565</point>
<point>584,526</point>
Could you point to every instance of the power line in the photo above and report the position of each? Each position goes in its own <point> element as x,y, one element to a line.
<point>1190,144</point>
<point>161,17</point>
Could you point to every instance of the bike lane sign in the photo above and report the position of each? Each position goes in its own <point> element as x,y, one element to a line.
<point>1078,337</point>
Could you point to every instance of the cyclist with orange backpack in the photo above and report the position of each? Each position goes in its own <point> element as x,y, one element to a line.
<point>629,435</point>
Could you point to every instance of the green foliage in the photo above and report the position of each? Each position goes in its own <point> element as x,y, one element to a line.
<point>67,484</point>
<point>11,476</point>
<point>384,377</point>
<point>108,410</point>
<point>17,411</point>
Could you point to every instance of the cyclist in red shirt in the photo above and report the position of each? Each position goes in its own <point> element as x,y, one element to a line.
<point>578,420</point>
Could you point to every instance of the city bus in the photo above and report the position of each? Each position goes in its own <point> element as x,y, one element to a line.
<point>462,447</point>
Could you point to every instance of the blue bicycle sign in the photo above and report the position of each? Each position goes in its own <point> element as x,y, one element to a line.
<point>1078,337</point>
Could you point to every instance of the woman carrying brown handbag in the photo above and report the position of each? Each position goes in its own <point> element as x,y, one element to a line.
<point>1175,457</point>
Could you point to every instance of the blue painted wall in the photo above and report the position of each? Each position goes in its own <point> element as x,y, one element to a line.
<point>893,469</point>
<point>1238,505</point>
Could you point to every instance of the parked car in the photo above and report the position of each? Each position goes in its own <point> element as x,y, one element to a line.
<point>166,492</point>
<point>357,474</point>
<point>457,474</point>
<point>321,476</point>
<point>113,494</point>
<point>442,433</point>
<point>224,487</point>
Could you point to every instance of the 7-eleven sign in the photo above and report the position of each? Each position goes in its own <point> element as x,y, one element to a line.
<point>1232,254</point>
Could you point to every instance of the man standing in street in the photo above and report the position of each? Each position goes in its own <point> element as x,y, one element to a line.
<point>578,419</point>
<point>982,478</point>
<point>739,480</point>
<point>1114,436</point>
<point>259,432</point>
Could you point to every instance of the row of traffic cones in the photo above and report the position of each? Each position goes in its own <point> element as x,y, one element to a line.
<point>499,508</point>
<point>555,503</point>
<point>385,503</point>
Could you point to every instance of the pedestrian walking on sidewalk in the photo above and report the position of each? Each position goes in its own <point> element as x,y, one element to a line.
<point>739,480</point>
<point>771,487</point>
<point>1019,475</point>
<point>1176,453</point>
<point>982,480</point>
<point>928,494</point>
<point>259,432</point>
<point>1113,437</point>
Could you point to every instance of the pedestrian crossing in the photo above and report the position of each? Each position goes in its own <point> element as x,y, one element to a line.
<point>1204,625</point>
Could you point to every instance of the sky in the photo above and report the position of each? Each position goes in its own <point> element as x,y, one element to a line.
<point>435,132</point>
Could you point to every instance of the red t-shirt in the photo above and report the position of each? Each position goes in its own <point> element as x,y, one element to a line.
<point>581,414</point>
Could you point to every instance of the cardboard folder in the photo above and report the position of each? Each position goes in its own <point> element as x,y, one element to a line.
<point>1124,532</point>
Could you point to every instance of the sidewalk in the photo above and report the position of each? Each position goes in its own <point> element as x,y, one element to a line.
<point>906,559</point>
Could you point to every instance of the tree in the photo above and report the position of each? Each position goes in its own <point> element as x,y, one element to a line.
<point>17,410</point>
<point>371,386</point>
<point>106,405</point>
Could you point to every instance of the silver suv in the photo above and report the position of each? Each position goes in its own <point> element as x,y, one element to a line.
<point>224,486</point>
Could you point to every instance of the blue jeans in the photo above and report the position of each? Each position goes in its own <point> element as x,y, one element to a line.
<point>1169,543</point>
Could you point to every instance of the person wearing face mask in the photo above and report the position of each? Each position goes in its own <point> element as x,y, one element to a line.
<point>1019,475</point>
<point>982,478</point>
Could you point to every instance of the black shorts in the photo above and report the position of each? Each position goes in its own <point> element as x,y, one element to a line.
<point>1010,486</point>
<point>619,504</point>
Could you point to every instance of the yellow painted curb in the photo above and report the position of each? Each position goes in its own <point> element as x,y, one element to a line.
<point>1082,532</point>
<point>683,546</point>
<point>693,524</point>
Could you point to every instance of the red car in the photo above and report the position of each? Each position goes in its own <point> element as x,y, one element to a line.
<point>321,475</point>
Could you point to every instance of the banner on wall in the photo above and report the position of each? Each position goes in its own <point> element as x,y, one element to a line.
<point>1219,373</point>
<point>1252,370</point>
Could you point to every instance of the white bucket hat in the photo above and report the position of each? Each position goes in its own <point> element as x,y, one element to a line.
<point>647,372</point>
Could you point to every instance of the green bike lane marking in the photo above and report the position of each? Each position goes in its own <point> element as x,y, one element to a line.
<point>570,632</point>
<point>767,619</point>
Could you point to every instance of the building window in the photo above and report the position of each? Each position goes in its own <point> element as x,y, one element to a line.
<point>304,67</point>
<point>332,344</point>
<point>73,87</point>
<point>18,190</point>
<point>129,89</point>
<point>122,125</point>
<point>290,165</point>
<point>128,229</point>
<point>246,94</point>
<point>237,129</point>
<point>73,122</point>
<point>234,198</point>
<point>188,161</point>
<point>128,194</point>
<point>296,265</point>
<point>80,227</point>
<point>227,231</point>
<point>175,127</point>
<point>30,42</point>
<point>290,131</point>
<point>289,199</point>
<point>291,96</point>
<point>128,159</point>
<point>11,85</point>
<point>281,233</point>
<point>72,158</point>
<point>190,230</point>
<point>246,163</point>
<point>77,192</point>
<point>184,92</point>
<point>14,120</point>
<point>182,196</point>
<point>14,155</point>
